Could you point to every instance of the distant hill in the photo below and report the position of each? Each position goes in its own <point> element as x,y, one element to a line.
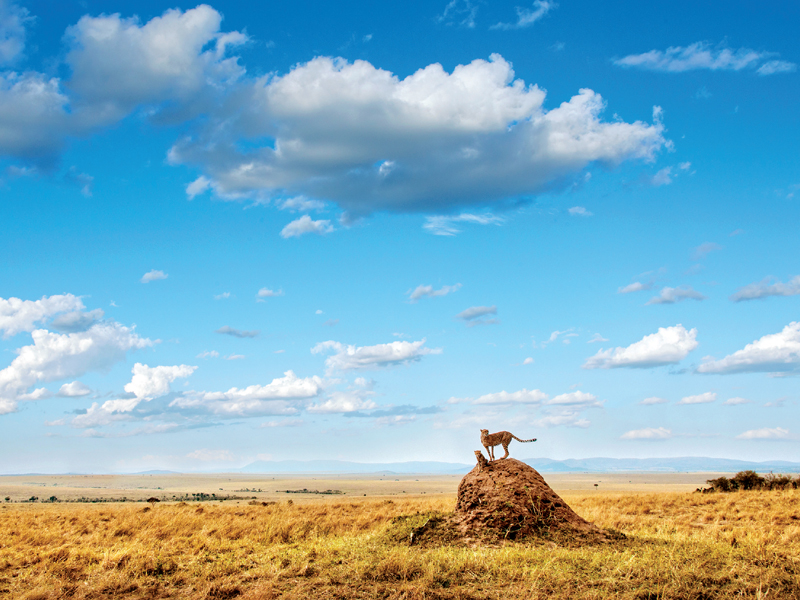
<point>687,464</point>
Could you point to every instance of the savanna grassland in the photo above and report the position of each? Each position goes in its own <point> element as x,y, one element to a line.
<point>676,545</point>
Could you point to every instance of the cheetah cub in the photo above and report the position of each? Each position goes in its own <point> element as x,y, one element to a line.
<point>503,438</point>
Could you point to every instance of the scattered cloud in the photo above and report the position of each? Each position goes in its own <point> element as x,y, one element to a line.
<point>528,361</point>
<point>704,249</point>
<point>596,338</point>
<point>649,433</point>
<point>669,345</point>
<point>700,55</point>
<point>636,286</point>
<point>662,177</point>
<point>772,353</point>
<point>444,224</point>
<point>736,232</point>
<point>234,357</point>
<point>671,295</point>
<point>153,382</point>
<point>778,433</point>
<point>523,396</point>
<point>705,398</point>
<point>300,204</point>
<point>76,389</point>
<point>268,293</point>
<point>767,287</point>
<point>343,402</point>
<point>226,330</point>
<point>349,358</point>
<point>208,354</point>
<point>306,224</point>
<point>735,401</point>
<point>579,211</point>
<point>283,423</point>
<point>222,296</point>
<point>331,323</point>
<point>427,291</point>
<point>18,315</point>
<point>653,400</point>
<point>199,186</point>
<point>207,455</point>
<point>459,12</point>
<point>527,16</point>
<point>12,32</point>
<point>153,276</point>
<point>478,315</point>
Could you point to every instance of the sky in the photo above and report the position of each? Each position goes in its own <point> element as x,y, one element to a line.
<point>239,232</point>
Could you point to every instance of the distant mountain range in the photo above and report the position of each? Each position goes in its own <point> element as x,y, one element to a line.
<point>688,464</point>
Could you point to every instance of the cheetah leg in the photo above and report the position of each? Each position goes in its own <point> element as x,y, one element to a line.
<point>505,447</point>
<point>489,452</point>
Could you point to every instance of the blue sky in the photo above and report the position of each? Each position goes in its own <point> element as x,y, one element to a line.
<point>341,230</point>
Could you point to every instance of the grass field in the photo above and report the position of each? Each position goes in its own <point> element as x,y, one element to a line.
<point>678,545</point>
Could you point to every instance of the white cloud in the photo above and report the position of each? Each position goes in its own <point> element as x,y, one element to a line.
<point>704,249</point>
<point>152,382</point>
<point>773,353</point>
<point>671,295</point>
<point>238,333</point>
<point>767,287</point>
<point>275,398</point>
<point>649,433</point>
<point>54,356</point>
<point>523,396</point>
<point>527,17</point>
<point>776,66</point>
<point>153,276</point>
<point>347,358</point>
<point>74,389</point>
<point>577,400</point>
<point>207,455</point>
<point>268,293</point>
<point>735,401</point>
<point>700,55</point>
<point>579,211</point>
<point>305,225</point>
<point>76,321</point>
<point>778,433</point>
<point>423,291</point>
<point>475,136</point>
<point>234,357</point>
<point>653,400</point>
<point>685,166</point>
<point>222,296</point>
<point>300,204</point>
<point>668,345</point>
<point>12,31</point>
<point>208,354</point>
<point>459,12</point>
<point>596,338</point>
<point>342,402</point>
<point>474,315</point>
<point>444,224</point>
<point>636,286</point>
<point>199,186</point>
<point>662,177</point>
<point>18,315</point>
<point>566,419</point>
<point>704,398</point>
<point>528,361</point>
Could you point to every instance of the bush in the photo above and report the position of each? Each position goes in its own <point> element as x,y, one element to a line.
<point>748,480</point>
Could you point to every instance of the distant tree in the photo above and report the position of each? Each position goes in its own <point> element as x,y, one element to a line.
<point>32,499</point>
<point>53,499</point>
<point>748,480</point>
<point>8,498</point>
<point>722,484</point>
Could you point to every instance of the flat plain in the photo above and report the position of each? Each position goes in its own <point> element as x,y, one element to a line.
<point>676,544</point>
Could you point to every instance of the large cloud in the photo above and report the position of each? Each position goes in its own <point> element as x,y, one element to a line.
<point>667,346</point>
<point>773,353</point>
<point>151,382</point>
<point>348,358</point>
<point>18,315</point>
<point>368,140</point>
<point>54,356</point>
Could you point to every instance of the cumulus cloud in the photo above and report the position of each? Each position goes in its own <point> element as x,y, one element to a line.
<point>735,401</point>
<point>54,356</point>
<point>300,204</point>
<point>767,287</point>
<point>776,66</point>
<point>436,141</point>
<point>579,211</point>
<point>523,396</point>
<point>199,186</point>
<point>478,315</point>
<point>306,224</point>
<point>670,295</point>
<point>343,402</point>
<point>152,382</point>
<point>662,177</point>
<point>268,293</point>
<point>704,398</point>
<point>649,433</point>
<point>667,346</point>
<point>18,315</point>
<point>76,321</point>
<point>12,31</point>
<point>700,55</point>
<point>528,361</point>
<point>777,433</point>
<point>75,389</point>
<point>445,224</point>
<point>577,400</point>
<point>427,291</point>
<point>772,353</point>
<point>653,400</point>
<point>348,358</point>
<point>239,333</point>
<point>527,16</point>
<point>153,276</point>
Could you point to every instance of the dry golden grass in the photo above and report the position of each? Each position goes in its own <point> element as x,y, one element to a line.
<point>745,544</point>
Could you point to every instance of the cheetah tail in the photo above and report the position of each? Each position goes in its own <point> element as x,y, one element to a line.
<point>519,440</point>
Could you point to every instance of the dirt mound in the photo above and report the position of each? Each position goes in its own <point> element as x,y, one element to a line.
<point>507,499</point>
